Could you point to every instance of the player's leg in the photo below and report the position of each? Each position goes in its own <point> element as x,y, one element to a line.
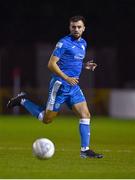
<point>78,104</point>
<point>49,116</point>
<point>81,110</point>
<point>39,112</point>
<point>22,100</point>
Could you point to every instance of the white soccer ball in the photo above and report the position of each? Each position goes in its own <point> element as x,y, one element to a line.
<point>43,148</point>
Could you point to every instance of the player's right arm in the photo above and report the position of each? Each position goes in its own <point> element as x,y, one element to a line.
<point>52,65</point>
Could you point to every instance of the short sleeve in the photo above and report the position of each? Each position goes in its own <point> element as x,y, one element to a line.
<point>59,49</point>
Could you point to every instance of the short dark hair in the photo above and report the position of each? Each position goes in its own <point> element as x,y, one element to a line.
<point>77,18</point>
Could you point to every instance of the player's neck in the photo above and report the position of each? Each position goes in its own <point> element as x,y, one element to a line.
<point>77,39</point>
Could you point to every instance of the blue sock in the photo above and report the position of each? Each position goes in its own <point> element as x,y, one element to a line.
<point>34,109</point>
<point>84,129</point>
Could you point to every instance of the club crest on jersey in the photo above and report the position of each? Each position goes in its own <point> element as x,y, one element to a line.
<point>83,47</point>
<point>59,45</point>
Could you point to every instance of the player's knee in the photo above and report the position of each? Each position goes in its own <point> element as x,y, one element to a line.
<point>47,120</point>
<point>86,115</point>
<point>48,117</point>
<point>44,118</point>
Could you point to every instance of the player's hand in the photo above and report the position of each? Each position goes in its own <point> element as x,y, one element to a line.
<point>90,65</point>
<point>72,81</point>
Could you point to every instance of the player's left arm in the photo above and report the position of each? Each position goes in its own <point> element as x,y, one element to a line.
<point>90,65</point>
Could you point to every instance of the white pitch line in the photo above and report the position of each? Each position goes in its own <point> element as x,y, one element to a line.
<point>71,150</point>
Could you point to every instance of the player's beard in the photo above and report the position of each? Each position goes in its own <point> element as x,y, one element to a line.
<point>76,35</point>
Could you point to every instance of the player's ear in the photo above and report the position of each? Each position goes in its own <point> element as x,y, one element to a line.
<point>84,29</point>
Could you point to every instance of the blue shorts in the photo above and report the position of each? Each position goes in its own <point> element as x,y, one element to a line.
<point>60,93</point>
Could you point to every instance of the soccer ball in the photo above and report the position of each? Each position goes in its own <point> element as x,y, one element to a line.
<point>43,148</point>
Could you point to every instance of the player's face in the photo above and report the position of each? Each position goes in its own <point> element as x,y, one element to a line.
<point>76,29</point>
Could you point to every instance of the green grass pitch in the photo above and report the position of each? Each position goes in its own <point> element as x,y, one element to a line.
<point>112,137</point>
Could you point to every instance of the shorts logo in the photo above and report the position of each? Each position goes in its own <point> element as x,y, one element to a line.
<point>57,105</point>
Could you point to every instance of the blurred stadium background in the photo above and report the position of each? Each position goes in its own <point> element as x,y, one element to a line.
<point>29,31</point>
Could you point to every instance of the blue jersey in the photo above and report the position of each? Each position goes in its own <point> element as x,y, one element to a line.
<point>71,53</point>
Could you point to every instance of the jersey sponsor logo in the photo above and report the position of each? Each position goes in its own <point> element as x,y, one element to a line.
<point>59,45</point>
<point>79,56</point>
<point>73,47</point>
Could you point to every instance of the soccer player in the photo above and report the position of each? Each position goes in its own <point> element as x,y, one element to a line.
<point>66,64</point>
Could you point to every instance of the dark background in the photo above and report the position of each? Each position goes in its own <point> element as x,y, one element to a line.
<point>110,23</point>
